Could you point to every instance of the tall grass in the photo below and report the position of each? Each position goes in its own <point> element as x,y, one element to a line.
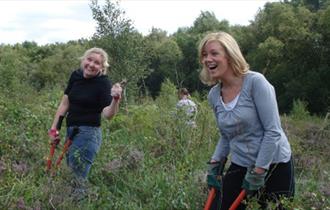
<point>149,159</point>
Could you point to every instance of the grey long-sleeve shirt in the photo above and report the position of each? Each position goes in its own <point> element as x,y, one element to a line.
<point>252,130</point>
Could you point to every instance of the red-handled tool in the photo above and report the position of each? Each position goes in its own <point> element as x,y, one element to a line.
<point>213,191</point>
<point>66,146</point>
<point>238,200</point>
<point>210,199</point>
<point>53,144</point>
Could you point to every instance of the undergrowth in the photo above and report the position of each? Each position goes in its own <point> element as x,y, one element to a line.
<point>149,158</point>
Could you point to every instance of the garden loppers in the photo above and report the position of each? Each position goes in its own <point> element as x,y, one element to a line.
<point>238,200</point>
<point>210,198</point>
<point>214,178</point>
<point>252,183</point>
<point>66,146</point>
<point>53,144</point>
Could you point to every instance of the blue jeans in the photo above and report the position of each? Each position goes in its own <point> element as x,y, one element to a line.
<point>83,150</point>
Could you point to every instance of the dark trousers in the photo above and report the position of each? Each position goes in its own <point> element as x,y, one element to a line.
<point>279,183</point>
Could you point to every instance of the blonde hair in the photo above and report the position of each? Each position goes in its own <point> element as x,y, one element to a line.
<point>235,58</point>
<point>103,54</point>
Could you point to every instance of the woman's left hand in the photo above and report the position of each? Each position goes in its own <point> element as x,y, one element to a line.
<point>253,180</point>
<point>259,170</point>
<point>116,91</point>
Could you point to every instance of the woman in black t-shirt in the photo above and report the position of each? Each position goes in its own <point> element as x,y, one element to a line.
<point>87,96</point>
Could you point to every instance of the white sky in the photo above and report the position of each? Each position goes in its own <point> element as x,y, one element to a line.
<point>50,21</point>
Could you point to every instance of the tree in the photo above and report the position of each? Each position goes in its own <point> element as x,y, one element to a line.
<point>164,57</point>
<point>290,51</point>
<point>189,64</point>
<point>122,42</point>
<point>55,70</point>
<point>268,54</point>
<point>169,55</point>
<point>110,19</point>
<point>11,65</point>
<point>207,21</point>
<point>313,5</point>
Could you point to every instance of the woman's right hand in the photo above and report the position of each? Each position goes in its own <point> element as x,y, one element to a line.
<point>116,91</point>
<point>54,136</point>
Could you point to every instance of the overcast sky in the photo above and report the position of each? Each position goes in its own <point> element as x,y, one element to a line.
<point>50,21</point>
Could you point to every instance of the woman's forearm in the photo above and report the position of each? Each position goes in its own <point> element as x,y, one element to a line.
<point>61,111</point>
<point>111,110</point>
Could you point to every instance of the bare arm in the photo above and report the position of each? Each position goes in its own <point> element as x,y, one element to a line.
<point>113,108</point>
<point>61,110</point>
<point>110,111</point>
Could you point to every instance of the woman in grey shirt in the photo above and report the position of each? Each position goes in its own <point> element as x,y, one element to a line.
<point>245,107</point>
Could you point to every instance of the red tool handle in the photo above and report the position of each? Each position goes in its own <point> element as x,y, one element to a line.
<point>212,192</point>
<point>65,148</point>
<point>210,198</point>
<point>67,145</point>
<point>50,157</point>
<point>55,143</point>
<point>238,200</point>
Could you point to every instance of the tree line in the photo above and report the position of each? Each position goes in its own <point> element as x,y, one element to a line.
<point>288,41</point>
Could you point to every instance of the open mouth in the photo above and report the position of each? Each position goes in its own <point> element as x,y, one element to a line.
<point>90,69</point>
<point>212,66</point>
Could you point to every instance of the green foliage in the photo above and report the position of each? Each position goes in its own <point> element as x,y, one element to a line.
<point>150,159</point>
<point>12,63</point>
<point>165,56</point>
<point>169,55</point>
<point>126,53</point>
<point>290,48</point>
<point>168,95</point>
<point>110,19</point>
<point>207,22</point>
<point>166,176</point>
<point>287,41</point>
<point>309,142</point>
<point>269,53</point>
<point>189,65</point>
<point>56,69</point>
<point>299,110</point>
<point>123,44</point>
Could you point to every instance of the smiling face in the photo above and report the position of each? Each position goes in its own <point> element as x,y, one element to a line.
<point>215,60</point>
<point>92,65</point>
<point>221,58</point>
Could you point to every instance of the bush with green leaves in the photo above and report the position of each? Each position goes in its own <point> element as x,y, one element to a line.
<point>299,110</point>
<point>149,158</point>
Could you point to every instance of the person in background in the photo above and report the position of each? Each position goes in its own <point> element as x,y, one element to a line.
<point>187,107</point>
<point>88,95</point>
<point>246,111</point>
